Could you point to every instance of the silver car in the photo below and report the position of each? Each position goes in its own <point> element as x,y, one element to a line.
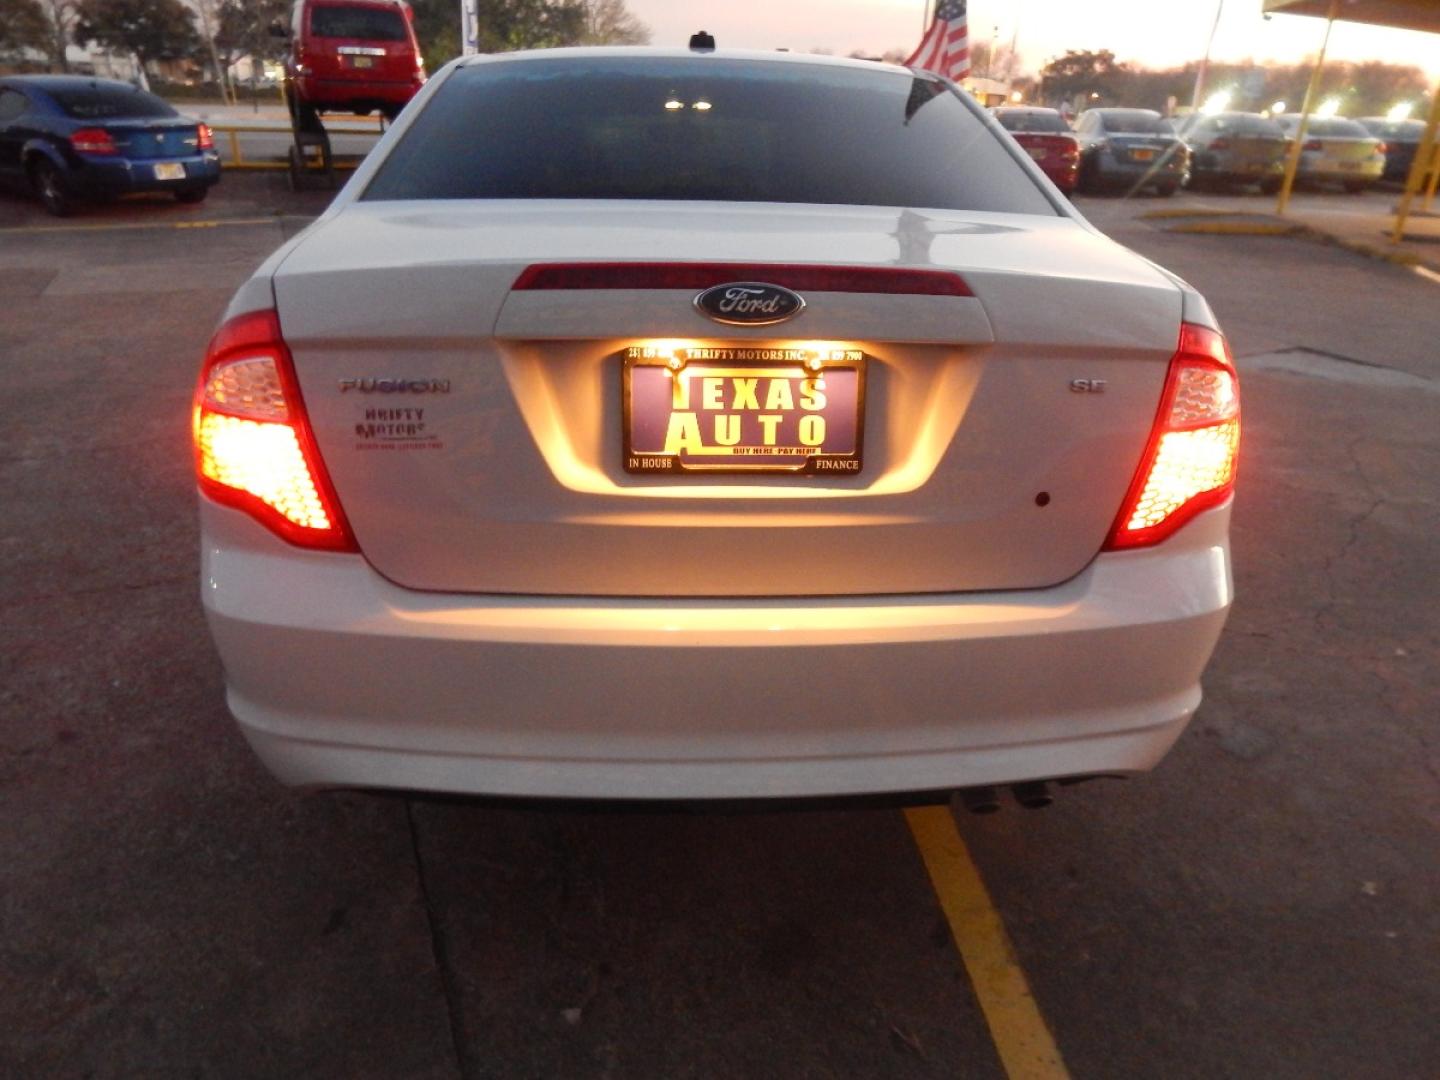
<point>1235,148</point>
<point>647,423</point>
<point>1337,151</point>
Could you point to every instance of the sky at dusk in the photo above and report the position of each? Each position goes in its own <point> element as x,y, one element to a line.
<point>1154,33</point>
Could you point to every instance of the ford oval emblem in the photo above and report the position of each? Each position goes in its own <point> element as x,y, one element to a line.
<point>749,303</point>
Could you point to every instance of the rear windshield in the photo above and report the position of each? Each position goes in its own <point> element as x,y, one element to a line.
<point>1027,120</point>
<point>1247,124</point>
<point>1398,130</point>
<point>1336,127</point>
<point>105,103</point>
<point>363,23</point>
<point>1136,123</point>
<point>703,128</point>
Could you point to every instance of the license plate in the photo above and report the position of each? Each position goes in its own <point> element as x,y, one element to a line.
<point>743,409</point>
<point>1349,165</point>
<point>361,62</point>
<point>1038,154</point>
<point>1142,155</point>
<point>170,170</point>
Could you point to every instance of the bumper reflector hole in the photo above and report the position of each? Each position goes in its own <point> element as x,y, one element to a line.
<point>1043,499</point>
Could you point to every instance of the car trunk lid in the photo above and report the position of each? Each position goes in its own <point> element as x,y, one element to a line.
<point>155,139</point>
<point>475,431</point>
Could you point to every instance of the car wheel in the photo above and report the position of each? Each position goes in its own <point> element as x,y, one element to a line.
<point>1166,189</point>
<point>192,195</point>
<point>1271,186</point>
<point>1355,187</point>
<point>50,188</point>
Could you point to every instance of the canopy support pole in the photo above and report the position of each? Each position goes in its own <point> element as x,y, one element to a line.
<point>1292,163</point>
<point>1423,168</point>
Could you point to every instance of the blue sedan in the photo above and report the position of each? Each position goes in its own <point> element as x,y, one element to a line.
<point>66,138</point>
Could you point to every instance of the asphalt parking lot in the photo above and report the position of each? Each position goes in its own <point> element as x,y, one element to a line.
<point>1264,904</point>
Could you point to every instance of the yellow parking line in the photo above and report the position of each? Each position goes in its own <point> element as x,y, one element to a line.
<point>1024,1043</point>
<point>125,226</point>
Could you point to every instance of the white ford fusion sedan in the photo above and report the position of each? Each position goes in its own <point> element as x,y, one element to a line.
<point>648,423</point>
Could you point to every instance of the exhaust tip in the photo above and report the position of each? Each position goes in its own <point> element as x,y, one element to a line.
<point>1033,795</point>
<point>980,800</point>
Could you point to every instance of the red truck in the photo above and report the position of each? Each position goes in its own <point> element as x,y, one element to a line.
<point>354,56</point>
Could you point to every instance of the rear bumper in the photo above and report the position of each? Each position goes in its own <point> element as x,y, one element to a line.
<point>123,176</point>
<point>1221,166</point>
<point>1320,170</point>
<point>348,93</point>
<point>1065,177</point>
<point>339,678</point>
<point>1110,171</point>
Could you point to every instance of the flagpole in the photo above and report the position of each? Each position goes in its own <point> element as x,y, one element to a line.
<point>925,18</point>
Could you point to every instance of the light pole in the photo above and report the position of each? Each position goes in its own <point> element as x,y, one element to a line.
<point>1205,60</point>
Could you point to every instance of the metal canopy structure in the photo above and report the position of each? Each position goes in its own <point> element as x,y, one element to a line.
<point>1423,15</point>
<point>1401,14</point>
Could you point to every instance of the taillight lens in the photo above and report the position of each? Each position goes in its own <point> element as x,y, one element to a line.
<point>204,137</point>
<point>1313,145</point>
<point>1380,148</point>
<point>1220,144</point>
<point>253,445</point>
<point>1190,461</point>
<point>92,141</point>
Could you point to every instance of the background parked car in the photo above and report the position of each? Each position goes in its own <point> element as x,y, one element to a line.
<point>1048,139</point>
<point>1337,151</point>
<point>1401,138</point>
<point>1236,148</point>
<point>1133,147</point>
<point>352,56</point>
<point>67,138</point>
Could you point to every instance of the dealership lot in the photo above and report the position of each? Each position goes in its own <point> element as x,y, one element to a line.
<point>1263,904</point>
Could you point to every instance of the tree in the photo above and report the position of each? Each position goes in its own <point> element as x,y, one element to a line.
<point>23,25</point>
<point>1077,72</point>
<point>610,22</point>
<point>60,25</point>
<point>151,29</point>
<point>243,29</point>
<point>504,25</point>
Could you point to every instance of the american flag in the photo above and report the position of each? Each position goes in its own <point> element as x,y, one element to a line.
<point>945,49</point>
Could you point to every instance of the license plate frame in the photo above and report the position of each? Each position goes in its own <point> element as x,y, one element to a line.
<point>840,451</point>
<point>362,61</point>
<point>1144,153</point>
<point>169,170</point>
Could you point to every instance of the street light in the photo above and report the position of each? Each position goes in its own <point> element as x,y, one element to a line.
<point>1277,108</point>
<point>1217,102</point>
<point>1399,112</point>
<point>1328,108</point>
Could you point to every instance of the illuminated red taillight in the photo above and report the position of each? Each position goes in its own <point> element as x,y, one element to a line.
<point>253,445</point>
<point>1220,144</point>
<point>204,137</point>
<point>1380,148</point>
<point>1313,144</point>
<point>92,141</point>
<point>1190,460</point>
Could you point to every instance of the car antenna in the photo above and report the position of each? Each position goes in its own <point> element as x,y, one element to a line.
<point>702,42</point>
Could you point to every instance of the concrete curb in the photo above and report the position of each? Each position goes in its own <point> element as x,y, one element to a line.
<point>1193,221</point>
<point>1239,228</point>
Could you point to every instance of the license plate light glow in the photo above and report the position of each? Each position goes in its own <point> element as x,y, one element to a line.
<point>796,408</point>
